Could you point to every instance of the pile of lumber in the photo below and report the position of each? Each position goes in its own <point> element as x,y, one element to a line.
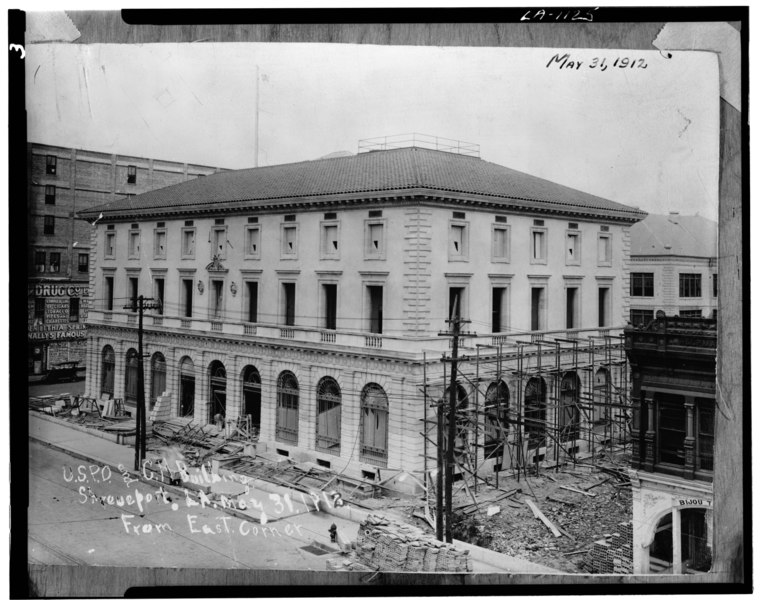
<point>389,546</point>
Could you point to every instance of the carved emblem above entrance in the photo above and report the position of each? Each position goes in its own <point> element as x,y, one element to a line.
<point>216,265</point>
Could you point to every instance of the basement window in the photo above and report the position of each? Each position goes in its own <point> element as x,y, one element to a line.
<point>370,475</point>
<point>282,452</point>
<point>323,463</point>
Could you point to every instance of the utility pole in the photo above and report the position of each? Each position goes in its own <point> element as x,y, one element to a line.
<point>455,323</point>
<point>140,418</point>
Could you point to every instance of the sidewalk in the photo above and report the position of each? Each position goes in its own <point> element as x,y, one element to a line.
<point>87,447</point>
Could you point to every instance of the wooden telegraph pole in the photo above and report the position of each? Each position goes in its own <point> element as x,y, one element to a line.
<point>140,418</point>
<point>455,333</point>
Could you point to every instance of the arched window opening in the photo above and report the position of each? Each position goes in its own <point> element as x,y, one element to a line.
<point>217,392</point>
<point>496,421</point>
<point>252,396</point>
<point>461,420</point>
<point>328,431</point>
<point>187,387</point>
<point>534,412</point>
<point>108,362</point>
<point>568,408</point>
<point>375,425</point>
<point>158,377</point>
<point>131,379</point>
<point>287,413</point>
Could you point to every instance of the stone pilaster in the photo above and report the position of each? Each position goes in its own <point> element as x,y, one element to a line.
<point>689,444</point>
<point>650,438</point>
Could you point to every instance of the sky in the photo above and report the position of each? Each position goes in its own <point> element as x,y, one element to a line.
<point>646,136</point>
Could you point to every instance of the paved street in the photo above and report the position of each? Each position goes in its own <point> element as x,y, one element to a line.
<point>67,527</point>
<point>69,387</point>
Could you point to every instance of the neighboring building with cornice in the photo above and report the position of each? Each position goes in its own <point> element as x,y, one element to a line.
<point>310,297</point>
<point>673,267</point>
<point>673,400</point>
<point>61,182</point>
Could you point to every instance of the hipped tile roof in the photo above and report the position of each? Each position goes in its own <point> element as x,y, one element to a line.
<point>674,235</point>
<point>386,173</point>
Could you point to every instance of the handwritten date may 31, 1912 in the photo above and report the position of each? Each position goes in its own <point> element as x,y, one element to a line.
<point>565,61</point>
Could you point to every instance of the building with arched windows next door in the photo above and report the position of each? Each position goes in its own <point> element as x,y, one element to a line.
<point>308,299</point>
<point>672,468</point>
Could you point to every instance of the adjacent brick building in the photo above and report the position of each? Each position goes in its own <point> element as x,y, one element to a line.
<point>61,182</point>
<point>673,400</point>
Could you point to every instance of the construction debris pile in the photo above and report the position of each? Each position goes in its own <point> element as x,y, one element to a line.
<point>389,546</point>
<point>553,519</point>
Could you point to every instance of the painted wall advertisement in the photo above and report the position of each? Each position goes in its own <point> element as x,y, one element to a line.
<point>57,312</point>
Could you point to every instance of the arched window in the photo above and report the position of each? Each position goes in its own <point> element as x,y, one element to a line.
<point>187,387</point>
<point>131,378</point>
<point>601,395</point>
<point>568,409</point>
<point>158,377</point>
<point>287,413</point>
<point>217,391</point>
<point>328,432</point>
<point>496,419</point>
<point>461,419</point>
<point>108,361</point>
<point>534,412</point>
<point>374,421</point>
<point>252,394</point>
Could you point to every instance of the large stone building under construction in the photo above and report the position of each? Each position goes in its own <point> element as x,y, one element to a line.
<point>309,298</point>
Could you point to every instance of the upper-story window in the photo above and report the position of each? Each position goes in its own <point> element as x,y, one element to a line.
<point>219,241</point>
<point>642,284</point>
<point>50,194</point>
<point>55,262</point>
<point>133,248</point>
<point>39,261</point>
<point>289,239</point>
<point>160,242</point>
<point>573,243</point>
<point>132,174</point>
<point>458,242</point>
<point>329,239</point>
<point>188,240</point>
<point>109,247</point>
<point>539,249</point>
<point>375,241</point>
<point>49,225</point>
<point>252,236</point>
<point>51,164</point>
<point>501,240</point>
<point>604,249</point>
<point>714,284</point>
<point>690,285</point>
<point>83,262</point>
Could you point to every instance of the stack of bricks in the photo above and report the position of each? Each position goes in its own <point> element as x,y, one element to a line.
<point>390,546</point>
<point>612,555</point>
<point>162,409</point>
